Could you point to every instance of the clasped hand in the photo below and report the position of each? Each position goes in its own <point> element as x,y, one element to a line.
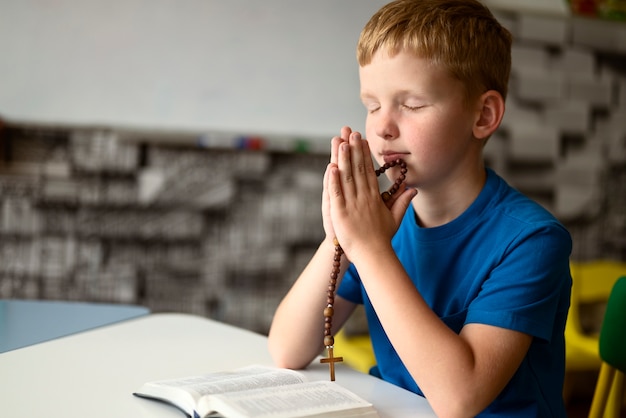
<point>353,210</point>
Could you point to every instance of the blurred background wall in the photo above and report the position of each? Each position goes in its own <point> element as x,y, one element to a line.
<point>171,153</point>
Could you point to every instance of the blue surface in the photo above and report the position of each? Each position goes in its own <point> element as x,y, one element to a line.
<point>27,322</point>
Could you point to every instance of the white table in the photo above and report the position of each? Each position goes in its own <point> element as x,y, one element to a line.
<point>94,373</point>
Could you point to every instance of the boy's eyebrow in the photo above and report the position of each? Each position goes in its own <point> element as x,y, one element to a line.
<point>402,93</point>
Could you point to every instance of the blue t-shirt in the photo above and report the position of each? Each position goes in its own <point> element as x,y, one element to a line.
<point>503,262</point>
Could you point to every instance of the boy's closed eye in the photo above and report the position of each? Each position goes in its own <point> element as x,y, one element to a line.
<point>412,108</point>
<point>371,107</point>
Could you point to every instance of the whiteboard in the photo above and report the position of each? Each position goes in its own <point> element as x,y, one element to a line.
<point>249,66</point>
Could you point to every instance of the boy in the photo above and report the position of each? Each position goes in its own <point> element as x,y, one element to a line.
<point>465,281</point>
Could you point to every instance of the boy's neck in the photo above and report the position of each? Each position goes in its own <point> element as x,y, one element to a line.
<point>448,201</point>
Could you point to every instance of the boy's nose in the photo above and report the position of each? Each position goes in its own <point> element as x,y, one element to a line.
<point>386,126</point>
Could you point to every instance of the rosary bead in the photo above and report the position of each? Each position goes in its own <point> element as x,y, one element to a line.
<point>329,310</point>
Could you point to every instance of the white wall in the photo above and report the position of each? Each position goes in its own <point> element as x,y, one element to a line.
<point>249,66</point>
<point>546,7</point>
<point>271,66</point>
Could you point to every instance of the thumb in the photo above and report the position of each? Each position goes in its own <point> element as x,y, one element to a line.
<point>402,203</point>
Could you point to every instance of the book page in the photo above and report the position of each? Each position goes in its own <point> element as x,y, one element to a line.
<point>236,380</point>
<point>299,400</point>
<point>184,393</point>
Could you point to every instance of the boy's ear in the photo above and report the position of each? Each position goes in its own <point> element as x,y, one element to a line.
<point>490,113</point>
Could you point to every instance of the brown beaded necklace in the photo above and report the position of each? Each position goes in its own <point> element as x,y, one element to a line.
<point>329,340</point>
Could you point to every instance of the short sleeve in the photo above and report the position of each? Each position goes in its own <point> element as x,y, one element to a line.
<point>350,287</point>
<point>530,285</point>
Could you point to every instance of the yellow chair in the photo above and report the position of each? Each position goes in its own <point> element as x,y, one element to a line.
<point>354,344</point>
<point>356,350</point>
<point>592,283</point>
<point>609,393</point>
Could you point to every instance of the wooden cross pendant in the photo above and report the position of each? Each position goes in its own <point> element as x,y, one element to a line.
<point>331,360</point>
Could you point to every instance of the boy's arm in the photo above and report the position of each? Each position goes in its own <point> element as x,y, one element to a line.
<point>297,332</point>
<point>460,374</point>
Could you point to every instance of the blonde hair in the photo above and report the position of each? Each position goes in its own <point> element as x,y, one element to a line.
<point>461,36</point>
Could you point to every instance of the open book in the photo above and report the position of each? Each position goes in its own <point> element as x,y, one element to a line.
<point>257,391</point>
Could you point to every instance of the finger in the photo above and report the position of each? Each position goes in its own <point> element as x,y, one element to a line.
<point>390,198</point>
<point>326,200</point>
<point>326,180</point>
<point>370,171</point>
<point>335,190</point>
<point>401,203</point>
<point>345,133</point>
<point>334,148</point>
<point>345,171</point>
<point>344,136</point>
<point>361,162</point>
